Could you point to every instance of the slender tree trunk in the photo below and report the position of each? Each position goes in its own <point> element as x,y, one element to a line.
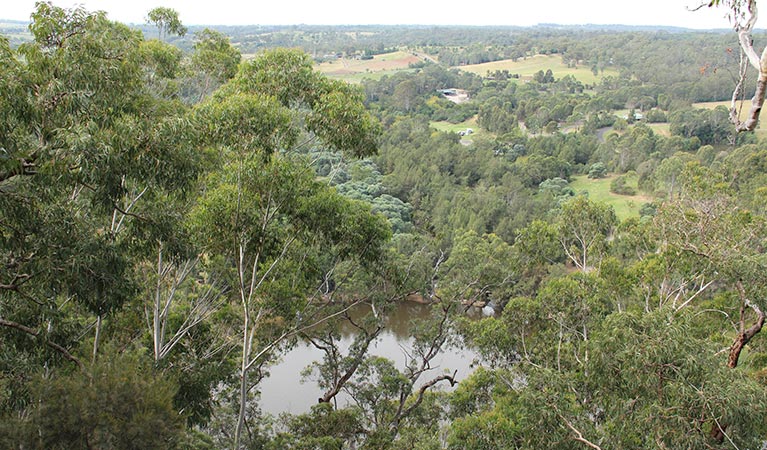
<point>156,328</point>
<point>243,382</point>
<point>756,107</point>
<point>96,339</point>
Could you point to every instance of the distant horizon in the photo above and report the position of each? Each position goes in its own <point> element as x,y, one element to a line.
<point>438,25</point>
<point>492,13</point>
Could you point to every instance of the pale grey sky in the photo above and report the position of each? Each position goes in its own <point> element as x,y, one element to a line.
<point>424,12</point>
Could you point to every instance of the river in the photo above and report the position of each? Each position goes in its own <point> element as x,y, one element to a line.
<point>284,391</point>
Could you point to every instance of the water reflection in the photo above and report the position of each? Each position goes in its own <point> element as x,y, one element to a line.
<point>283,390</point>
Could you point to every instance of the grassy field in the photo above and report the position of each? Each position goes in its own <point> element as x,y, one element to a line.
<point>726,104</point>
<point>456,127</point>
<point>599,190</point>
<point>354,70</point>
<point>662,129</point>
<point>528,67</point>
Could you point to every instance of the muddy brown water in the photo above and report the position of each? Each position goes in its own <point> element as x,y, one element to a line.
<point>285,390</point>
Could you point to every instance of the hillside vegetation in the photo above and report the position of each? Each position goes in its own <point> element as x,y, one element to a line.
<point>176,219</point>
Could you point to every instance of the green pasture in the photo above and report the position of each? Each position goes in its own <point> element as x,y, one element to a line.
<point>625,206</point>
<point>662,129</point>
<point>456,127</point>
<point>529,66</point>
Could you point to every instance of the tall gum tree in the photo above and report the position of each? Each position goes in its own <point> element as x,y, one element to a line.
<point>264,212</point>
<point>744,14</point>
<point>84,140</point>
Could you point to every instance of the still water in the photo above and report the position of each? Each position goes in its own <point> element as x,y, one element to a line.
<point>284,390</point>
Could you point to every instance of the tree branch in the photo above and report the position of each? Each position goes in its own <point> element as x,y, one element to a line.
<point>578,435</point>
<point>35,333</point>
<point>424,388</point>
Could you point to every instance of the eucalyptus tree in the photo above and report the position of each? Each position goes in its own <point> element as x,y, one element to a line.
<point>167,22</point>
<point>725,243</point>
<point>584,227</point>
<point>88,142</point>
<point>215,58</point>
<point>480,270</point>
<point>744,14</point>
<point>94,166</point>
<point>264,212</point>
<point>651,381</point>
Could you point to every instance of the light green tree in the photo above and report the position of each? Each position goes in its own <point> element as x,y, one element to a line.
<point>584,227</point>
<point>167,22</point>
<point>96,168</point>
<point>480,269</point>
<point>215,58</point>
<point>649,380</point>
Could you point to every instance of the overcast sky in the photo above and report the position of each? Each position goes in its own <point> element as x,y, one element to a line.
<point>422,12</point>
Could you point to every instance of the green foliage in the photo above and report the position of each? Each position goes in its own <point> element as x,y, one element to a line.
<point>478,270</point>
<point>536,169</point>
<point>657,361</point>
<point>648,379</point>
<point>109,183</point>
<point>584,227</point>
<point>90,139</point>
<point>597,170</point>
<point>619,185</point>
<point>655,116</point>
<point>163,58</point>
<point>710,126</point>
<point>648,210</point>
<point>166,20</point>
<point>543,78</point>
<point>215,56</point>
<point>120,404</point>
<point>324,428</point>
<point>492,429</point>
<point>247,122</point>
<point>727,237</point>
<point>336,112</point>
<point>556,187</point>
<point>668,171</point>
<point>537,245</point>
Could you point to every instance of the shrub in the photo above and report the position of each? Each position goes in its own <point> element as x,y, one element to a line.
<point>620,187</point>
<point>598,170</point>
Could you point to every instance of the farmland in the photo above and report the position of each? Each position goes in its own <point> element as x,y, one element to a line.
<point>528,67</point>
<point>354,70</point>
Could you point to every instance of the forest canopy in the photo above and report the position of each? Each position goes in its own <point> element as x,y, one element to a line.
<point>183,207</point>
